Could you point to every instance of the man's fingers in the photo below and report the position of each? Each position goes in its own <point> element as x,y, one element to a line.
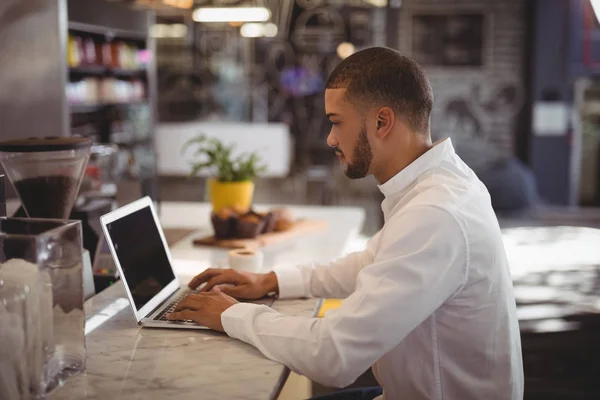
<point>225,278</point>
<point>195,301</point>
<point>204,277</point>
<point>189,304</point>
<point>202,296</point>
<point>184,315</point>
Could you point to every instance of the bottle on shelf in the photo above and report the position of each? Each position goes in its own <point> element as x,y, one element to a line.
<point>124,55</point>
<point>107,55</point>
<point>115,55</point>
<point>92,90</point>
<point>138,90</point>
<point>73,54</point>
<point>98,50</point>
<point>89,52</point>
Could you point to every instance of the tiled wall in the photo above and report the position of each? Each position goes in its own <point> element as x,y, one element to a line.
<point>478,106</point>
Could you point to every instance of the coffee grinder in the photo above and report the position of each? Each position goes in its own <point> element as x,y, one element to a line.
<point>46,174</point>
<point>44,253</point>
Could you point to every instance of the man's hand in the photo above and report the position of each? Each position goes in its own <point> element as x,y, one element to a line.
<point>246,285</point>
<point>204,308</point>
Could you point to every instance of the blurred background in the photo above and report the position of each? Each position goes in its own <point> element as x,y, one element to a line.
<point>516,86</point>
<point>513,82</point>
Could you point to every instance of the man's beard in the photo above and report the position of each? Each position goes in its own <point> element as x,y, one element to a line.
<point>361,156</point>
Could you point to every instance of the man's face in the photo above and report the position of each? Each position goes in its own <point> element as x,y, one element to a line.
<point>348,134</point>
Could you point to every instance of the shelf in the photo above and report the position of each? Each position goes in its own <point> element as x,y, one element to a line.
<point>99,70</point>
<point>109,32</point>
<point>89,70</point>
<point>90,108</point>
<point>127,72</point>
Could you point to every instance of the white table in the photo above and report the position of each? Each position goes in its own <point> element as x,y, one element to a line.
<point>126,362</point>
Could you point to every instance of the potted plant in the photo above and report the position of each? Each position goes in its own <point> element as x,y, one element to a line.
<point>232,182</point>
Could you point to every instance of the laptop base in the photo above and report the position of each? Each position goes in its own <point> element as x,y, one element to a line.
<point>151,323</point>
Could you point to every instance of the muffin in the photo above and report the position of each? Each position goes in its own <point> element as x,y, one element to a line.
<point>249,225</point>
<point>224,223</point>
<point>284,219</point>
<point>269,221</point>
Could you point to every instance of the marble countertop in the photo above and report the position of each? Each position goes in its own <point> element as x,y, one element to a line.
<point>125,361</point>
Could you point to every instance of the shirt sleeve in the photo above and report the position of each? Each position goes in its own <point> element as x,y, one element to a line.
<point>422,261</point>
<point>336,279</point>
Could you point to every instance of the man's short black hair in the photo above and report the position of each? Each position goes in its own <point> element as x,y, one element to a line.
<point>378,77</point>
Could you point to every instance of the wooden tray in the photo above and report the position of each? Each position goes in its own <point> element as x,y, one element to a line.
<point>299,229</point>
<point>174,235</point>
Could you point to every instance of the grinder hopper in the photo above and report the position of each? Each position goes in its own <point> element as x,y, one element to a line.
<point>46,173</point>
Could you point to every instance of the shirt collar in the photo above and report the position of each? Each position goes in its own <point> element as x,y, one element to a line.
<point>430,159</point>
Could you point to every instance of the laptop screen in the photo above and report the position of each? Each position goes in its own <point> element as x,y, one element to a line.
<point>142,256</point>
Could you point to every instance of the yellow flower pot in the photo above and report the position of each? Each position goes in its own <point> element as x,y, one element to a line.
<point>237,195</point>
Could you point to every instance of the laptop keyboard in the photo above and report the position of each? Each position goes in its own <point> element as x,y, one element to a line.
<point>162,316</point>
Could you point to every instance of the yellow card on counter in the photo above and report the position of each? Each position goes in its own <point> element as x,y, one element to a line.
<point>328,304</point>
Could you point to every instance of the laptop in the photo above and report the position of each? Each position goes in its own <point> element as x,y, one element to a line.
<point>142,257</point>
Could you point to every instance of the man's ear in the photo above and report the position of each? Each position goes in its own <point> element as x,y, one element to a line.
<point>385,121</point>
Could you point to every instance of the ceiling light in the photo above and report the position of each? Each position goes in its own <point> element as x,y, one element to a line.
<point>252,30</point>
<point>158,30</point>
<point>178,30</point>
<point>270,29</point>
<point>232,14</point>
<point>345,50</point>
<point>378,3</point>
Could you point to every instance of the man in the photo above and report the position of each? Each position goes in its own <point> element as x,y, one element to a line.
<point>429,304</point>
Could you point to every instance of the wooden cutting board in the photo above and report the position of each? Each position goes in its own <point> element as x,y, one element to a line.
<point>174,235</point>
<point>297,230</point>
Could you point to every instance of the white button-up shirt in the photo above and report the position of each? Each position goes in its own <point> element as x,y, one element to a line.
<point>429,304</point>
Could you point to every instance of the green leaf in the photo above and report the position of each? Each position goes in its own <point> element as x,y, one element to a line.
<point>211,153</point>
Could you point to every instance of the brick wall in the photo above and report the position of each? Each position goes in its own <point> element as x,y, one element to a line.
<point>477,106</point>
